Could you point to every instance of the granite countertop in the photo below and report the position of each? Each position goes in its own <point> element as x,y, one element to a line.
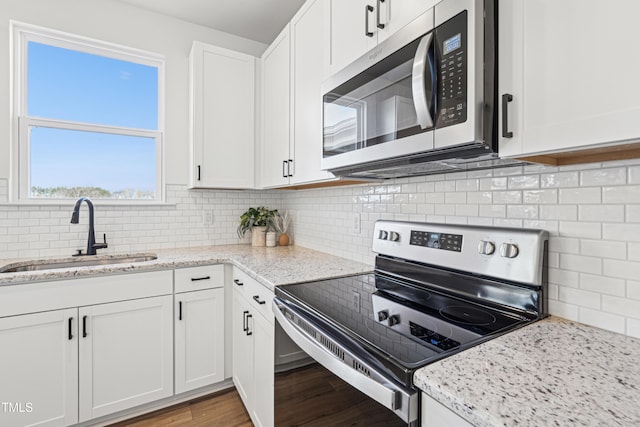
<point>270,266</point>
<point>551,373</point>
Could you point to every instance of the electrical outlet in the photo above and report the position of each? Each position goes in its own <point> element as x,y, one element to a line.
<point>356,302</point>
<point>355,223</point>
<point>207,218</point>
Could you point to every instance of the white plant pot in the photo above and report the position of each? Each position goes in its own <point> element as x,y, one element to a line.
<point>271,238</point>
<point>258,236</point>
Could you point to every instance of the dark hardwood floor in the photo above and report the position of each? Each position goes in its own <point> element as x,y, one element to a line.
<point>223,409</point>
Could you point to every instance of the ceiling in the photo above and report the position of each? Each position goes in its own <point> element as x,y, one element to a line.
<point>259,20</point>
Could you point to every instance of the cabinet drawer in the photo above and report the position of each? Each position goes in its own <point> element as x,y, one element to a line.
<point>199,278</point>
<point>258,295</point>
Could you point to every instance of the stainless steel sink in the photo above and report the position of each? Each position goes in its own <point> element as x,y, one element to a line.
<point>88,261</point>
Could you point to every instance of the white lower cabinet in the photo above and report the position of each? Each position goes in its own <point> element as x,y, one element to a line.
<point>435,414</point>
<point>253,347</point>
<point>126,355</point>
<point>199,339</point>
<point>39,369</point>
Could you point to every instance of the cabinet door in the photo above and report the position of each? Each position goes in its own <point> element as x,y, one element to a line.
<point>126,355</point>
<point>242,337</point>
<point>263,368</point>
<point>199,339</point>
<point>350,21</point>
<point>572,71</point>
<point>39,369</point>
<point>395,14</point>
<point>222,118</point>
<point>307,73</point>
<point>275,112</point>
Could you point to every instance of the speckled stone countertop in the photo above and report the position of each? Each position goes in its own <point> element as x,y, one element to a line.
<point>550,373</point>
<point>270,266</point>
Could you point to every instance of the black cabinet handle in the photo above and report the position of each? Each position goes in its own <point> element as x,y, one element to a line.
<point>179,310</point>
<point>256,298</point>
<point>290,167</point>
<point>368,8</point>
<point>506,99</point>
<point>84,326</point>
<point>195,279</point>
<point>70,328</point>
<point>238,282</point>
<point>245,324</point>
<point>284,166</point>
<point>248,332</point>
<point>379,25</point>
<point>198,172</point>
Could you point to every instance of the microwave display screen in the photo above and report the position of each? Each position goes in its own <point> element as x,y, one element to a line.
<point>452,44</point>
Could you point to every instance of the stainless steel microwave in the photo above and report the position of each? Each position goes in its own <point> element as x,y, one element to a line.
<point>426,95</point>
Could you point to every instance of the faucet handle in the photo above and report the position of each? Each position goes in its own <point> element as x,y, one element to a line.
<point>101,245</point>
<point>78,252</point>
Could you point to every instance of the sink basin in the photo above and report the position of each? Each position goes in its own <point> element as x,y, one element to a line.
<point>85,261</point>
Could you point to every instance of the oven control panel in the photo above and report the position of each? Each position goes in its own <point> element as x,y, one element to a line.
<point>429,239</point>
<point>510,253</point>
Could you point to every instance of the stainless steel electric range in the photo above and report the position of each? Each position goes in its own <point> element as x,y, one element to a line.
<point>436,290</point>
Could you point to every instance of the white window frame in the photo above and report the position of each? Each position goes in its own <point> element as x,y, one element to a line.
<point>22,34</point>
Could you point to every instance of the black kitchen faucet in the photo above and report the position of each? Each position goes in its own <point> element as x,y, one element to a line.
<point>91,240</point>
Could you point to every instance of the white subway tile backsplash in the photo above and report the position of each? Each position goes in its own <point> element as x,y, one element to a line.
<point>602,284</point>
<point>608,176</point>
<point>560,179</point>
<point>622,269</point>
<point>624,232</point>
<point>603,249</point>
<point>541,197</point>
<point>621,194</point>
<point>601,213</point>
<point>559,212</point>
<point>600,319</point>
<point>580,195</point>
<point>592,213</point>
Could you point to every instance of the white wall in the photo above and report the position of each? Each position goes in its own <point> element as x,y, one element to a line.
<point>591,211</point>
<point>116,22</point>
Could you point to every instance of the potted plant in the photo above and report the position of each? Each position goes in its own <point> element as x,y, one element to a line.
<point>256,220</point>
<point>281,223</point>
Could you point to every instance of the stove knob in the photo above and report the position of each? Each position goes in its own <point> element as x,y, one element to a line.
<point>383,235</point>
<point>509,250</point>
<point>393,236</point>
<point>394,320</point>
<point>383,315</point>
<point>486,247</point>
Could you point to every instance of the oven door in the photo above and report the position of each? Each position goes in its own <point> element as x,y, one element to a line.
<point>346,385</point>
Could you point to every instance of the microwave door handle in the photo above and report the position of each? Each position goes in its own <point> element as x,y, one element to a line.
<point>418,82</point>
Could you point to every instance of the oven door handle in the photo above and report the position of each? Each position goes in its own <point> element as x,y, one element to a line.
<point>332,356</point>
<point>421,93</point>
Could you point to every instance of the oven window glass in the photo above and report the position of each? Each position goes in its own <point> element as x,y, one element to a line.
<point>374,107</point>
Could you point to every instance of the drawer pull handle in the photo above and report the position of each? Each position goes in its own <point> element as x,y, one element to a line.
<point>238,282</point>
<point>248,332</point>
<point>245,324</point>
<point>179,310</point>
<point>256,298</point>
<point>84,326</point>
<point>70,328</point>
<point>195,279</point>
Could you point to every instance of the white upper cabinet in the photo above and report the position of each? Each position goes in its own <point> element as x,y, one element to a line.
<point>569,83</point>
<point>276,161</point>
<point>307,74</point>
<point>222,118</point>
<point>359,25</point>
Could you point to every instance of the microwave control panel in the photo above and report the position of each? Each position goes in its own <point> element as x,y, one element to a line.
<point>451,51</point>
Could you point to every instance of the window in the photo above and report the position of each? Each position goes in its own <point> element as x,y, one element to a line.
<point>87,118</point>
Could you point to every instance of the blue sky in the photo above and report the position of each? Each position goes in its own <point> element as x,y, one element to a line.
<point>69,85</point>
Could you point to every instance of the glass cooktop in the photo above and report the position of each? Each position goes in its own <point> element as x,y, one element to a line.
<point>410,325</point>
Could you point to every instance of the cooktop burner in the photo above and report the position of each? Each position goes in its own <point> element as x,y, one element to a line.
<point>467,315</point>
